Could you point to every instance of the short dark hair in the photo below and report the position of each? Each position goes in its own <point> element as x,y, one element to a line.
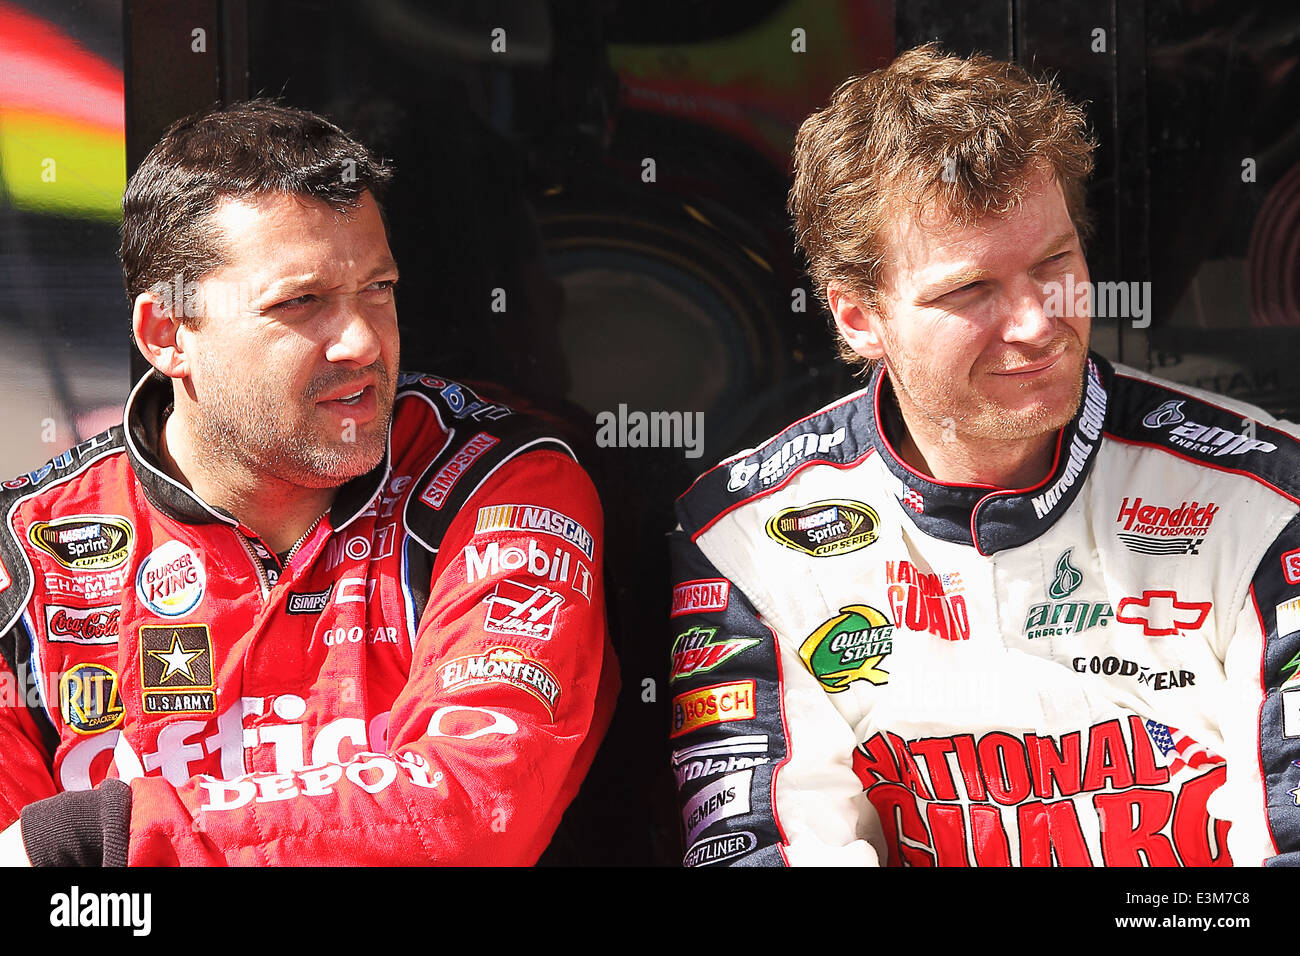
<point>256,147</point>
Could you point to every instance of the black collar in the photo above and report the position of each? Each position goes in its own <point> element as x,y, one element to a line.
<point>146,410</point>
<point>986,517</point>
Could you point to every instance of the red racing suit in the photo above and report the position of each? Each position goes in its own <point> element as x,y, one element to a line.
<point>873,667</point>
<point>425,679</point>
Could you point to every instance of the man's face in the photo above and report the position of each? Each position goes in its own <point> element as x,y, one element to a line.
<point>972,344</point>
<point>294,361</point>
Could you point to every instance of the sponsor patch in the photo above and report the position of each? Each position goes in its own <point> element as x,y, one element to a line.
<point>696,651</point>
<point>176,669</point>
<point>1293,665</point>
<point>1059,617</point>
<point>82,625</point>
<point>558,566</point>
<point>913,500</point>
<point>720,849</point>
<point>1092,418</point>
<point>1203,439</point>
<point>1291,713</point>
<point>1290,567</point>
<point>1111,665</point>
<point>435,496</point>
<point>502,665</point>
<point>308,602</point>
<point>1162,614</point>
<point>535,519</point>
<point>5,580</point>
<point>849,647</point>
<point>824,528</point>
<point>170,581</point>
<point>1151,529</point>
<point>715,704</point>
<point>1288,617</point>
<point>89,699</point>
<point>726,797</point>
<point>771,469</point>
<point>85,542</point>
<point>927,601</point>
<point>740,752</point>
<point>91,587</point>
<point>696,597</point>
<point>518,610</point>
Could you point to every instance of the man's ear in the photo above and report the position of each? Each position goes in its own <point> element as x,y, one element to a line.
<point>159,335</point>
<point>859,325</point>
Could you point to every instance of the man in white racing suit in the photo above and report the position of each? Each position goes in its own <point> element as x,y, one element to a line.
<point>1009,604</point>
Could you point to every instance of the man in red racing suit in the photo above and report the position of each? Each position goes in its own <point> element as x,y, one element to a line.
<point>422,675</point>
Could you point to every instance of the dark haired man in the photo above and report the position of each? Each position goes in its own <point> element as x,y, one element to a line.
<point>1008,604</point>
<point>302,608</point>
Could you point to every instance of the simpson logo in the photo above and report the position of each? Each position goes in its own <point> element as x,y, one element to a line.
<point>716,704</point>
<point>725,756</point>
<point>696,652</point>
<point>1288,617</point>
<point>170,581</point>
<point>176,669</point>
<point>720,849</point>
<point>89,700</point>
<point>1149,529</point>
<point>85,542</point>
<point>695,597</point>
<point>1161,614</point>
<point>1290,568</point>
<point>435,496</point>
<point>772,468</point>
<point>308,602</point>
<point>724,798</point>
<point>825,528</point>
<point>502,665</point>
<point>521,611</point>
<point>82,625</point>
<point>849,647</point>
<point>530,518</point>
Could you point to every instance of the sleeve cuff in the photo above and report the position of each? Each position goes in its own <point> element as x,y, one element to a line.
<point>79,827</point>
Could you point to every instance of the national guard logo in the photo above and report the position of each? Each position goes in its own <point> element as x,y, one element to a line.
<point>89,700</point>
<point>176,669</point>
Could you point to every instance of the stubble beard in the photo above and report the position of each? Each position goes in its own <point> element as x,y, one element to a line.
<point>949,415</point>
<point>240,425</point>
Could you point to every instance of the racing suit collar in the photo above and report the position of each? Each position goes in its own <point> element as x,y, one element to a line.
<point>989,518</point>
<point>146,410</point>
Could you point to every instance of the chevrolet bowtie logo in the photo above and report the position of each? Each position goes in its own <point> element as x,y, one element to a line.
<point>1161,613</point>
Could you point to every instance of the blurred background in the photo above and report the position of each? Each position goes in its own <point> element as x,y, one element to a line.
<point>589,211</point>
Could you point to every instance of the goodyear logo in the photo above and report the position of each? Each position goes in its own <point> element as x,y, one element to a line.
<point>849,647</point>
<point>89,698</point>
<point>84,542</point>
<point>824,528</point>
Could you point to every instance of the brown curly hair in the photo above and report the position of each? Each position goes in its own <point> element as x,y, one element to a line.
<point>930,130</point>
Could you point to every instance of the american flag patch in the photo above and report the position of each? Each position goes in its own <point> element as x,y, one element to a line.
<point>912,499</point>
<point>1185,752</point>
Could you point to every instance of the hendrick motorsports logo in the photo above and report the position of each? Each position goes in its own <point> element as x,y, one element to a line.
<point>824,528</point>
<point>85,542</point>
<point>849,647</point>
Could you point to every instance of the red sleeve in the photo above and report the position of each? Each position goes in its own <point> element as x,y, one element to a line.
<point>24,763</point>
<point>487,742</point>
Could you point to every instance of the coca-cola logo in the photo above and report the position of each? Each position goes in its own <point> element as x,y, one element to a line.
<point>82,625</point>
